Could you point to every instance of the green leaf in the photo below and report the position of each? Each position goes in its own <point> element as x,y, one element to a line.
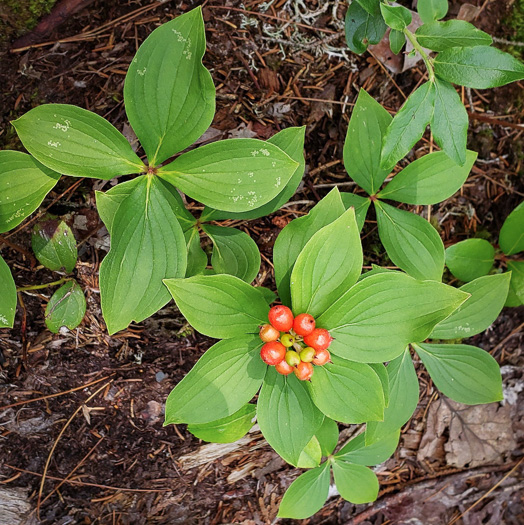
<point>290,140</point>
<point>430,179</point>
<point>224,379</point>
<point>107,203</point>
<point>408,125</point>
<point>363,28</point>
<point>361,205</point>
<point>231,175</point>
<point>169,95</point>
<point>307,494</point>
<point>396,16</point>
<point>355,483</point>
<point>470,259</point>
<point>430,10</point>
<point>375,319</point>
<point>511,238</point>
<point>382,374</point>
<point>516,285</point>
<point>479,67</point>
<point>8,301</point>
<point>397,40</point>
<point>196,256</point>
<point>488,295</point>
<point>450,122</point>
<point>66,307</point>
<point>367,127</point>
<point>286,415</point>
<point>327,436</point>
<point>74,141</point>
<point>411,242</point>
<point>268,295</point>
<point>24,183</point>
<point>371,6</point>
<point>464,373</point>
<point>219,306</point>
<point>328,265</point>
<point>234,252</point>
<point>357,451</point>
<point>227,429</point>
<point>439,36</point>
<point>311,455</point>
<point>296,234</point>
<point>403,394</point>
<point>54,245</point>
<point>147,245</point>
<point>348,392</point>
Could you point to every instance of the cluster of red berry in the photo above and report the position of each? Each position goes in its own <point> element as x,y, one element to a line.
<point>297,349</point>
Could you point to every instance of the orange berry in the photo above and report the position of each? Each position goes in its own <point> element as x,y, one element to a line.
<point>319,339</point>
<point>281,318</point>
<point>273,353</point>
<point>284,369</point>
<point>303,324</point>
<point>304,371</point>
<point>269,333</point>
<point>322,357</point>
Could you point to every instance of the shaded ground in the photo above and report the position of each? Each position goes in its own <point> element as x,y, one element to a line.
<point>122,466</point>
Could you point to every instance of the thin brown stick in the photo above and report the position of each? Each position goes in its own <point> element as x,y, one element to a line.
<point>84,483</point>
<point>66,479</point>
<point>506,476</point>
<point>18,403</point>
<point>64,428</point>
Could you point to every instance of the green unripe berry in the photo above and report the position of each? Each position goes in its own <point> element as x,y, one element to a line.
<point>307,355</point>
<point>292,358</point>
<point>287,340</point>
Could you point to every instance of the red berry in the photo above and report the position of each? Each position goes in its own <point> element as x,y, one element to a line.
<point>304,371</point>
<point>273,353</point>
<point>322,357</point>
<point>303,324</point>
<point>319,339</point>
<point>284,369</point>
<point>268,333</point>
<point>281,317</point>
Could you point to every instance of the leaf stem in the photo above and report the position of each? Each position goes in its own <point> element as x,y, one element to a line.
<point>41,286</point>
<point>427,60</point>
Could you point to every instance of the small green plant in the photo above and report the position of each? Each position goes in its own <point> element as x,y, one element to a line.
<point>55,248</point>
<point>170,102</point>
<point>411,242</point>
<point>464,57</point>
<point>472,259</point>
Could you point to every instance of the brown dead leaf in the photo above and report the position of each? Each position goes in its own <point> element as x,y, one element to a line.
<point>467,435</point>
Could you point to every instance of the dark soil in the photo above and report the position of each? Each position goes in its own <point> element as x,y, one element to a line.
<point>122,466</point>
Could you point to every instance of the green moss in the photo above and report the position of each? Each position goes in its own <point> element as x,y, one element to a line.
<point>19,16</point>
<point>515,23</point>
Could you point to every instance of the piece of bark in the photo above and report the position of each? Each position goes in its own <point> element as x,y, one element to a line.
<point>14,505</point>
<point>59,14</point>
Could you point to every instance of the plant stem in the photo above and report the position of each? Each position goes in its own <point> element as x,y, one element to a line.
<point>41,286</point>
<point>427,60</point>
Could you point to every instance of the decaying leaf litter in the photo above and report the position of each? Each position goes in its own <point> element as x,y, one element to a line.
<point>283,64</point>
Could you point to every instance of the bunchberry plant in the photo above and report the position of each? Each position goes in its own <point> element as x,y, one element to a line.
<point>411,242</point>
<point>170,101</point>
<point>464,57</point>
<point>472,259</point>
<point>371,320</point>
